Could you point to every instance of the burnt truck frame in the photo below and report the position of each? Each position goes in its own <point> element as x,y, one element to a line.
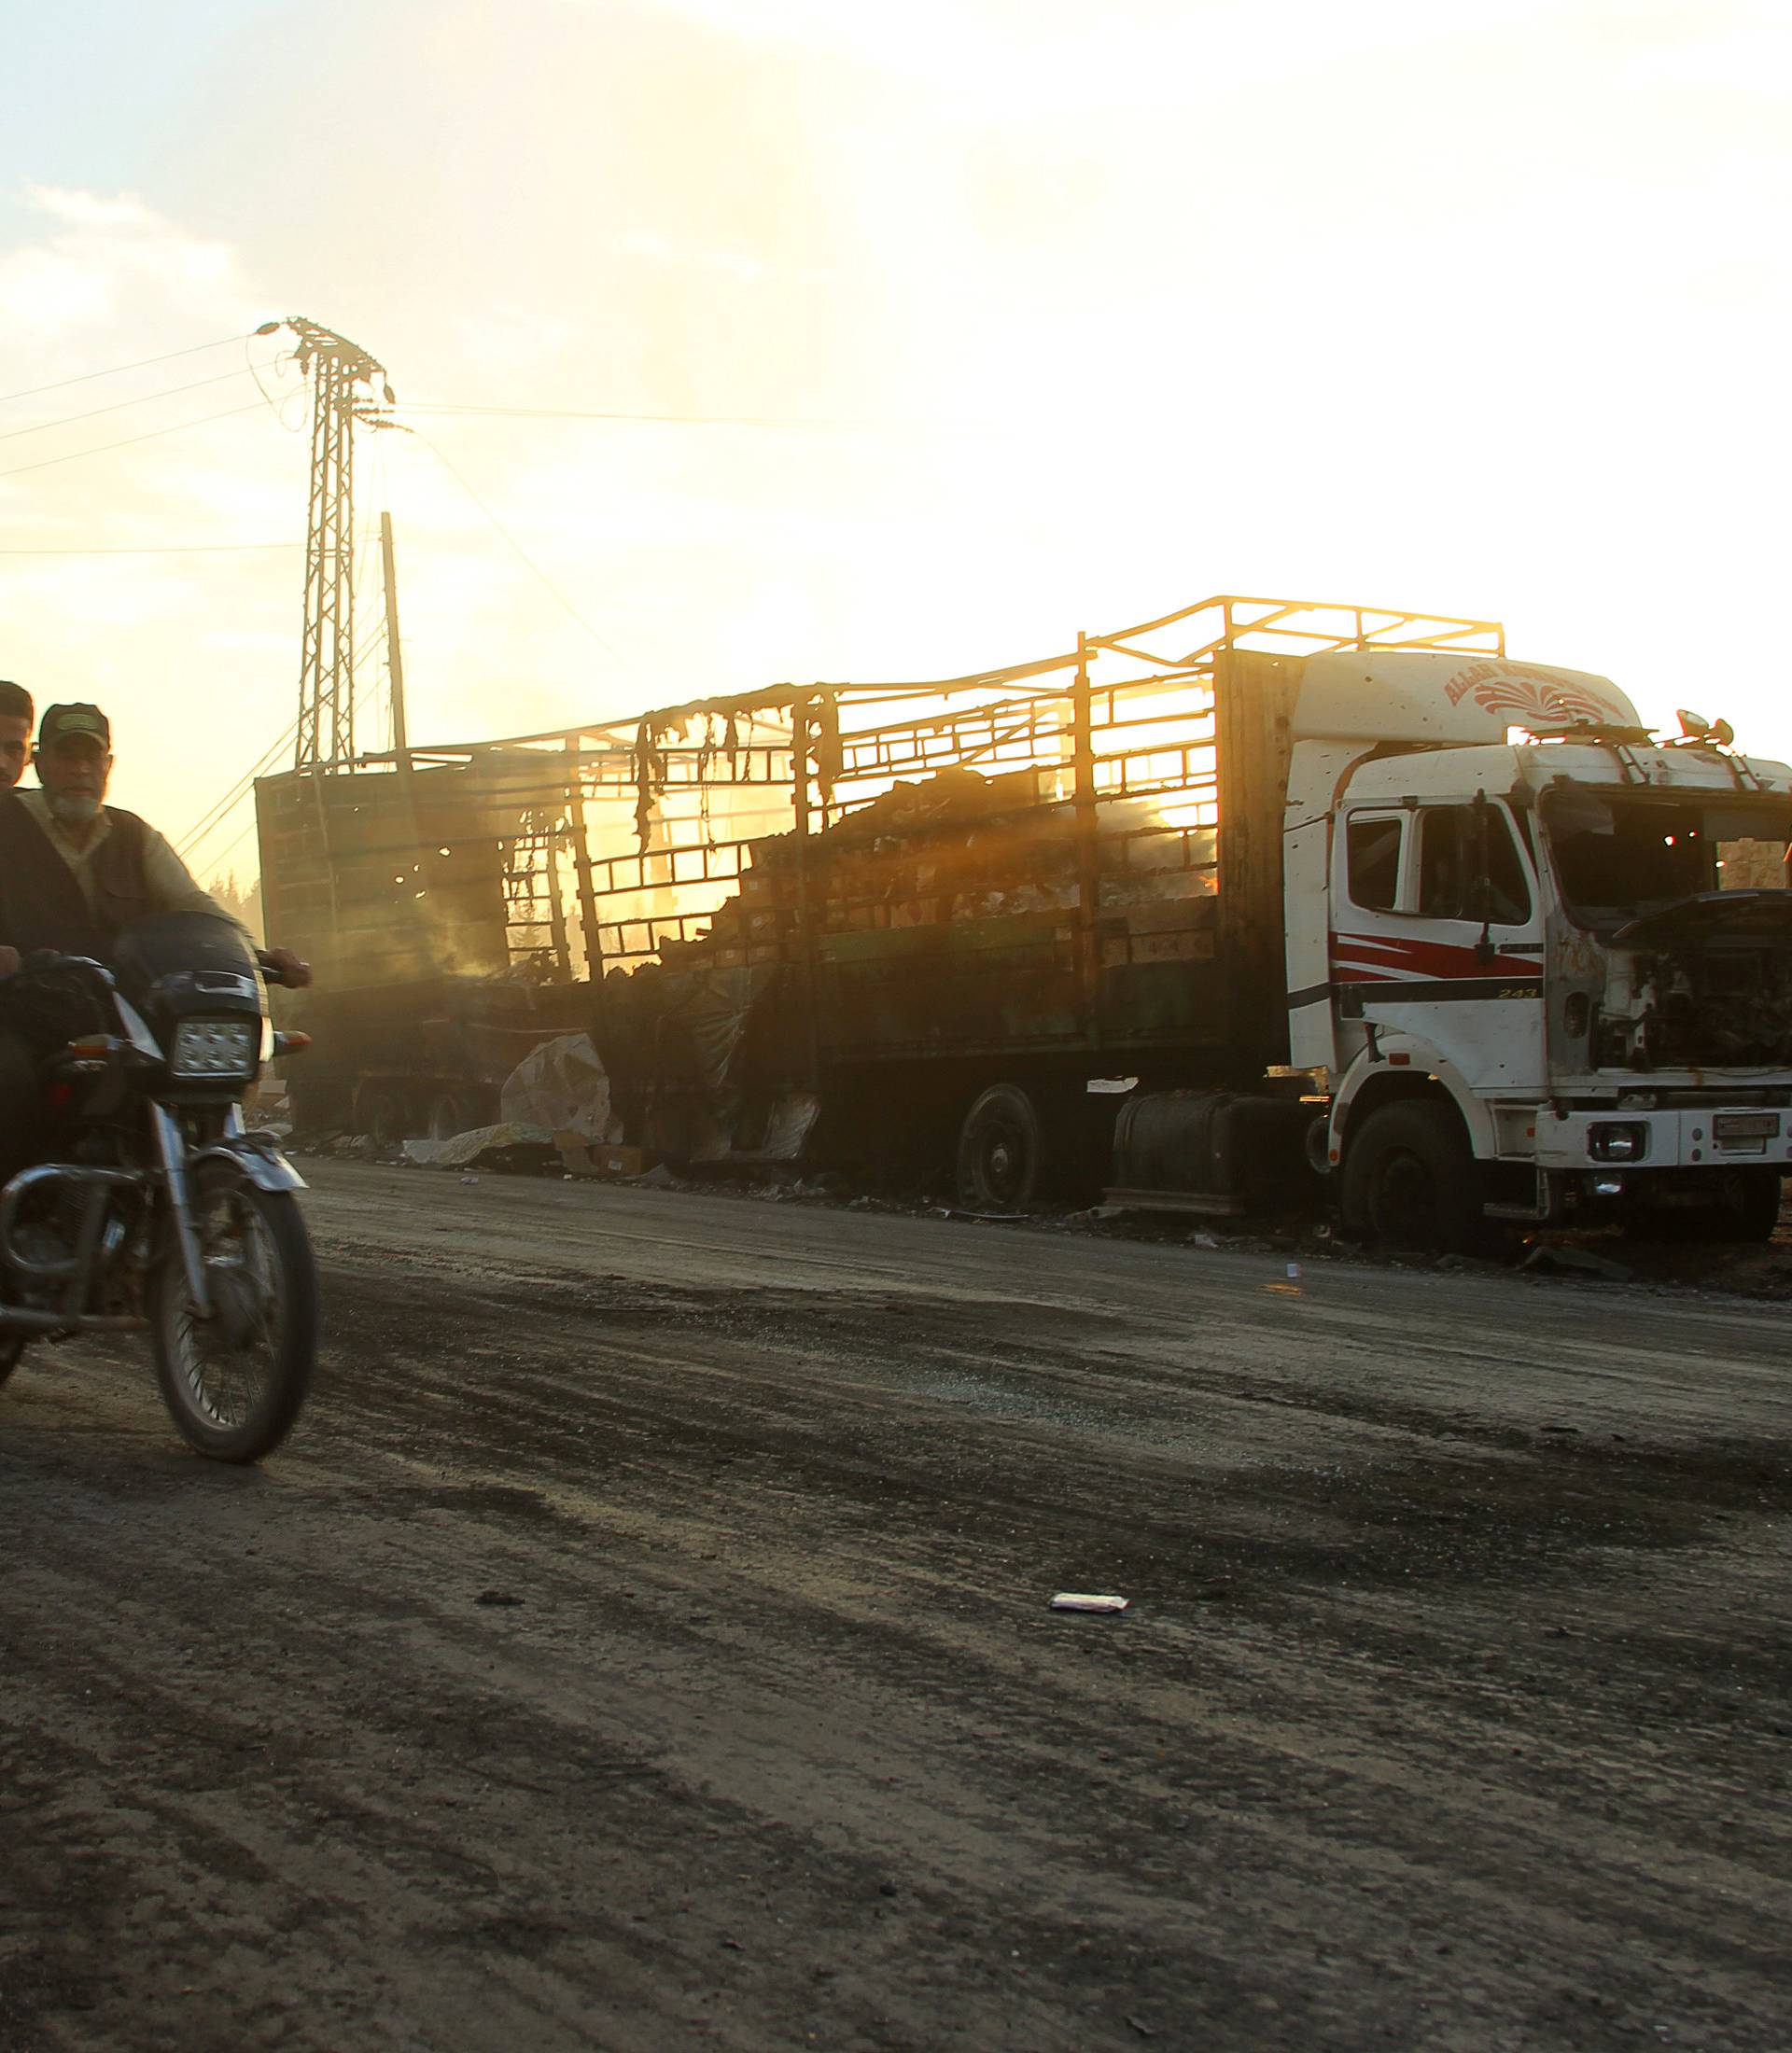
<point>1096,916</point>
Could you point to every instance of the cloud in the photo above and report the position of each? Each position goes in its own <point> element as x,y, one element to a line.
<point>97,280</point>
<point>105,260</point>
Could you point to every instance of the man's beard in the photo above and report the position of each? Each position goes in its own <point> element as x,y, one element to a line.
<point>74,810</point>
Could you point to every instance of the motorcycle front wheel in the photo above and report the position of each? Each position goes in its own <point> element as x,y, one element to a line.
<point>234,1383</point>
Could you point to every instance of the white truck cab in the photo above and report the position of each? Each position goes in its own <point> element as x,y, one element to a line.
<point>1539,963</point>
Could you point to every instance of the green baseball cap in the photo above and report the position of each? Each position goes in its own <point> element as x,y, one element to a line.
<point>63,723</point>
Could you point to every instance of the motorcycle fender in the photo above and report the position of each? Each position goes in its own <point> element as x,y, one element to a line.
<point>266,1168</point>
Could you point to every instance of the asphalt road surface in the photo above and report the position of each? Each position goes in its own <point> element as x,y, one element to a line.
<point>644,1642</point>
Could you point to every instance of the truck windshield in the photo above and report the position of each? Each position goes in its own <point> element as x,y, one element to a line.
<point>1619,854</point>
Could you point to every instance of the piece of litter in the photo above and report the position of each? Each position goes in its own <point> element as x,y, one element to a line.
<point>470,1180</point>
<point>1071,1600</point>
<point>1294,1272</point>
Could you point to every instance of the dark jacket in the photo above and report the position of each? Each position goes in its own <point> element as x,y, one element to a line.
<point>42,906</point>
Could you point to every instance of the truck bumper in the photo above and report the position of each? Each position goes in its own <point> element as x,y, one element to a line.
<point>1690,1137</point>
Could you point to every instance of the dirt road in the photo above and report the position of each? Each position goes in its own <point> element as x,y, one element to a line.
<point>644,1644</point>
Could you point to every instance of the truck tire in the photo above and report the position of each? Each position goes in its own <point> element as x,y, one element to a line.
<point>379,1110</point>
<point>446,1117</point>
<point>1410,1181</point>
<point>1001,1151</point>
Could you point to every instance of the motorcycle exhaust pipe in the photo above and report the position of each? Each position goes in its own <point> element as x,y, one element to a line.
<point>21,1319</point>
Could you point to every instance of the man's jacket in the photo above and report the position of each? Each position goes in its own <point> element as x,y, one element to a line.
<point>41,904</point>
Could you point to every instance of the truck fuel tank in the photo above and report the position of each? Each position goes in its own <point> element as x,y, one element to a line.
<point>1213,1152</point>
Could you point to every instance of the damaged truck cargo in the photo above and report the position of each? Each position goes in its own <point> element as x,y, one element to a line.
<point>1263,905</point>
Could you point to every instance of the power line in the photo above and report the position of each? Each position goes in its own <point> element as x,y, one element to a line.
<point>674,420</point>
<point>243,835</point>
<point>248,362</point>
<point>222,810</point>
<point>75,456</point>
<point>210,822</point>
<point>523,552</point>
<point>369,650</point>
<point>231,847</point>
<point>118,370</point>
<point>172,549</point>
<point>118,406</point>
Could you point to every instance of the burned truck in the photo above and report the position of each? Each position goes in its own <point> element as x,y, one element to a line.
<point>1263,903</point>
<point>415,888</point>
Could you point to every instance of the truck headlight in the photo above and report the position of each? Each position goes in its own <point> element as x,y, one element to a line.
<point>1616,1141</point>
<point>218,1049</point>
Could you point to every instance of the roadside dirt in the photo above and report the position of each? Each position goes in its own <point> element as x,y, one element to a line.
<point>645,1642</point>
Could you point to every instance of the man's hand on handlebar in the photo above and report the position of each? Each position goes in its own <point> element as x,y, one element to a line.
<point>281,966</point>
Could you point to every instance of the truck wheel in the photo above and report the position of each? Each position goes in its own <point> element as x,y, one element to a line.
<point>445,1118</point>
<point>1410,1181</point>
<point>1001,1151</point>
<point>381,1113</point>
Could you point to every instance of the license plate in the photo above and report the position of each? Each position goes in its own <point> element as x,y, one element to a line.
<point>1745,1126</point>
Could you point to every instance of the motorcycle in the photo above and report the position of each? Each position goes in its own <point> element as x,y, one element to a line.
<point>159,1210</point>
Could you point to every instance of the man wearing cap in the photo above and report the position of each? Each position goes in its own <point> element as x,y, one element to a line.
<point>15,731</point>
<point>73,870</point>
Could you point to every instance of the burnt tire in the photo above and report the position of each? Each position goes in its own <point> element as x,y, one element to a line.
<point>1001,1151</point>
<point>1410,1181</point>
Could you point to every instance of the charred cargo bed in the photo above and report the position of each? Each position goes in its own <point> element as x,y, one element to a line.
<point>877,921</point>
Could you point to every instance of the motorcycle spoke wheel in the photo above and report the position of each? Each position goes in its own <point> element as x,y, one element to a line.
<point>235,1382</point>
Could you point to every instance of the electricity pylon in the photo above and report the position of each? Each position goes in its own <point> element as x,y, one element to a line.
<point>337,368</point>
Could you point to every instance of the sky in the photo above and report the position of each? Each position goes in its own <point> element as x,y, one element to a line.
<point>982,322</point>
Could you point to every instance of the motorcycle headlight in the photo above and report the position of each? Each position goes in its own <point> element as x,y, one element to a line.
<point>215,1049</point>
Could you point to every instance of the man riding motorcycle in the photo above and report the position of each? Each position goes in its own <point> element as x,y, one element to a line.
<point>74,871</point>
<point>15,731</point>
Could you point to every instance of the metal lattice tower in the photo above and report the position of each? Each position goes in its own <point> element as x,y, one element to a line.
<point>337,368</point>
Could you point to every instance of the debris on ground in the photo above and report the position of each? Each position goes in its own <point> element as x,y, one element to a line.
<point>475,1144</point>
<point>1071,1599</point>
<point>561,1087</point>
<point>1554,1258</point>
<point>600,1158</point>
